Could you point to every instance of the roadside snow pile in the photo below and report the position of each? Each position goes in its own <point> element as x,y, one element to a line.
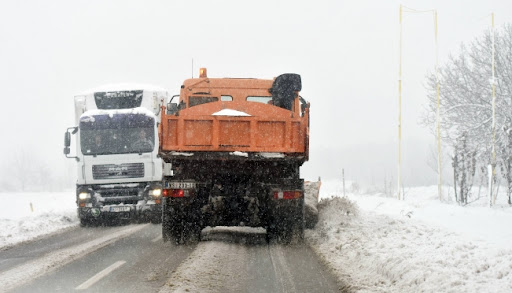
<point>311,192</point>
<point>380,244</point>
<point>25,216</point>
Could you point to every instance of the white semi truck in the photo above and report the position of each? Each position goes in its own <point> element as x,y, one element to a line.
<point>119,172</point>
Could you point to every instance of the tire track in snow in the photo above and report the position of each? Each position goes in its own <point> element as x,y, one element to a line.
<point>240,263</point>
<point>281,269</point>
<point>212,267</point>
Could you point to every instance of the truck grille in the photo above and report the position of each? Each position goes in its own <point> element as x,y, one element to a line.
<point>113,171</point>
<point>119,194</point>
<point>124,192</point>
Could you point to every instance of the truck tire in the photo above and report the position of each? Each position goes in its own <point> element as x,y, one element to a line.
<point>84,222</point>
<point>180,224</point>
<point>301,223</point>
<point>88,222</point>
<point>166,224</point>
<point>156,218</point>
<point>283,229</point>
<point>279,233</point>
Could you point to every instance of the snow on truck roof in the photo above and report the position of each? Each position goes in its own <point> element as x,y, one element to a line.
<point>230,112</point>
<point>139,110</point>
<point>123,87</point>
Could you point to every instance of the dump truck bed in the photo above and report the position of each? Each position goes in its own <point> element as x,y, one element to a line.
<point>236,118</point>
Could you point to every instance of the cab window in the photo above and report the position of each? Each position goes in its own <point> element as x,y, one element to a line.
<point>194,100</point>
<point>258,99</point>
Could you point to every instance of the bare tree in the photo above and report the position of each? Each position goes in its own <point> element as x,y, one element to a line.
<point>25,171</point>
<point>464,167</point>
<point>506,162</point>
<point>465,98</point>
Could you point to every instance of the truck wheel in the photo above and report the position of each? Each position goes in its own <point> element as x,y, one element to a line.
<point>166,225</point>
<point>300,223</point>
<point>300,231</point>
<point>188,227</point>
<point>156,218</point>
<point>285,228</point>
<point>176,227</point>
<point>180,224</point>
<point>280,233</point>
<point>88,222</point>
<point>84,222</point>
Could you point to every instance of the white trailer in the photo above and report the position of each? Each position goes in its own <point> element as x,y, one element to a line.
<point>119,172</point>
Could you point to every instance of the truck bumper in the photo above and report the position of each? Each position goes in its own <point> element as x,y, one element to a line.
<point>150,211</point>
<point>119,202</point>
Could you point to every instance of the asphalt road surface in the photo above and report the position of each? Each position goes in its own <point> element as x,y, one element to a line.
<point>133,258</point>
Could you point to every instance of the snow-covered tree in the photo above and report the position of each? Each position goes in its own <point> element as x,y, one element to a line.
<point>466,98</point>
<point>464,167</point>
<point>506,162</point>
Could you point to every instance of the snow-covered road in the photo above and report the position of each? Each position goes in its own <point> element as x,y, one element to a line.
<point>371,242</point>
<point>133,258</point>
<point>130,258</point>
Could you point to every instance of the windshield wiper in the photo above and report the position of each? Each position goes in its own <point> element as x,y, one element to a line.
<point>105,153</point>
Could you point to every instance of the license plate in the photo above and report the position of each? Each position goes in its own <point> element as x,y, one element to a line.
<point>181,185</point>
<point>119,209</point>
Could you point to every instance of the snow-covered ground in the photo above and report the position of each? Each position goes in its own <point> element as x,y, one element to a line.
<point>379,244</point>
<point>27,215</point>
<point>373,242</point>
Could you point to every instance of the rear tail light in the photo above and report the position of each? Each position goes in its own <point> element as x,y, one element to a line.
<point>288,194</point>
<point>177,192</point>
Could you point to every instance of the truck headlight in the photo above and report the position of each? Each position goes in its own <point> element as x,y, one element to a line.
<point>155,192</point>
<point>84,195</point>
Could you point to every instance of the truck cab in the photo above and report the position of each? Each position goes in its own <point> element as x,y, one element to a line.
<point>116,141</point>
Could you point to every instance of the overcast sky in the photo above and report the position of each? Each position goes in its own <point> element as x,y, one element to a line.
<point>347,53</point>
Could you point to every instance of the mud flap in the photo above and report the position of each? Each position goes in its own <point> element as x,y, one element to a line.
<point>286,223</point>
<point>181,221</point>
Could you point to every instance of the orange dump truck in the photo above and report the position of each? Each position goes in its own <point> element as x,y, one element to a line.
<point>236,146</point>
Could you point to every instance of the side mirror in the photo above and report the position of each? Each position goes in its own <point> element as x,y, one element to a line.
<point>172,98</point>
<point>172,108</point>
<point>67,141</point>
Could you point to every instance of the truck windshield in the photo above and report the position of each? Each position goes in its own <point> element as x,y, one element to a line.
<point>118,99</point>
<point>117,134</point>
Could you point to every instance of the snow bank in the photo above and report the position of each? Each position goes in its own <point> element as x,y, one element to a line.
<point>25,216</point>
<point>311,192</point>
<point>379,244</point>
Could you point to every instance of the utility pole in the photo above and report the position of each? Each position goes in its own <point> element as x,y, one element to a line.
<point>400,112</point>
<point>343,176</point>
<point>438,118</point>
<point>400,187</point>
<point>492,196</point>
